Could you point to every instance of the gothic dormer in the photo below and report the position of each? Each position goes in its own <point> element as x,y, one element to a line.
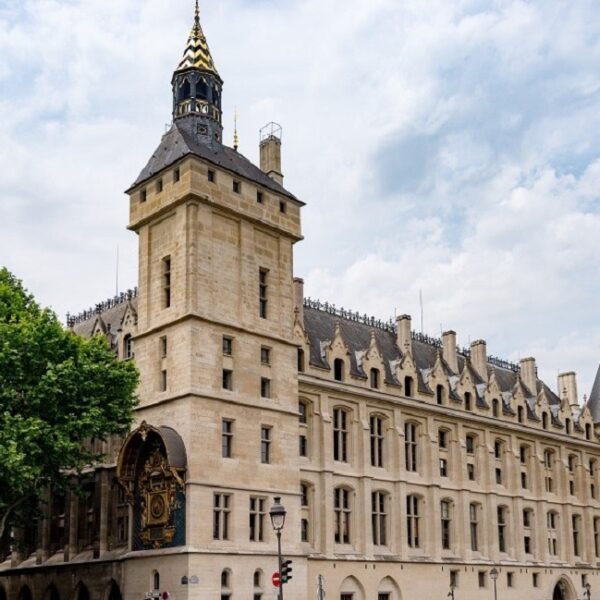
<point>197,88</point>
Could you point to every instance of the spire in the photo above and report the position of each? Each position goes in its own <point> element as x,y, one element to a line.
<point>197,53</point>
<point>236,141</point>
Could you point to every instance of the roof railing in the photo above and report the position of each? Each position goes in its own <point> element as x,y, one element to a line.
<point>102,307</point>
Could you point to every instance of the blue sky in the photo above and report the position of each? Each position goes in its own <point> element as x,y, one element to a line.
<point>448,146</point>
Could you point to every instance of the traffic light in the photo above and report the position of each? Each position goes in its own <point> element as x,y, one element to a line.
<point>286,571</point>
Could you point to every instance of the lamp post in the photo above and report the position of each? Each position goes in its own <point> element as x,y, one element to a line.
<point>587,593</point>
<point>277,514</point>
<point>494,575</point>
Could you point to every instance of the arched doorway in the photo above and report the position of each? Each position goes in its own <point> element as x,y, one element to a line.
<point>25,593</point>
<point>81,593</point>
<point>114,593</point>
<point>51,593</point>
<point>563,591</point>
<point>2,593</point>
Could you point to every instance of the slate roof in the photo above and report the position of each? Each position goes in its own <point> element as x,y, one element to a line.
<point>112,319</point>
<point>594,399</point>
<point>178,142</point>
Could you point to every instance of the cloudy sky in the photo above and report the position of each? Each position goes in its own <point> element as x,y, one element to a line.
<point>448,146</point>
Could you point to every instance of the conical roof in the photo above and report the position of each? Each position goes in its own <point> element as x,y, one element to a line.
<point>197,53</point>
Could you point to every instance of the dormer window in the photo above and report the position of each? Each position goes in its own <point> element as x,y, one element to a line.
<point>375,379</point>
<point>338,369</point>
<point>128,347</point>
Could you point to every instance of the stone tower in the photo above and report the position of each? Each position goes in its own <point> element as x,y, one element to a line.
<point>215,343</point>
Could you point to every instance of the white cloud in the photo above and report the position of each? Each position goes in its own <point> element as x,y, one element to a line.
<point>449,146</point>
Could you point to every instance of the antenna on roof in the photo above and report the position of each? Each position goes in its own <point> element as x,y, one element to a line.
<point>117,277</point>
<point>421,304</point>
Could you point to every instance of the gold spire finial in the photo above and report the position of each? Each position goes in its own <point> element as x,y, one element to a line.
<point>236,141</point>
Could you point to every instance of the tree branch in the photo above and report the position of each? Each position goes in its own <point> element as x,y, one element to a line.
<point>9,509</point>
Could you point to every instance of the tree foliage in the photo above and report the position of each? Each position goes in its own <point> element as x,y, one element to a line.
<point>57,390</point>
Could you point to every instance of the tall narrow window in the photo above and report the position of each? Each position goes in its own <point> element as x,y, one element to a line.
<point>301,365</point>
<point>551,523</point>
<point>495,407</point>
<point>408,387</point>
<point>439,394</point>
<point>342,515</point>
<point>265,387</point>
<point>227,379</point>
<point>412,521</point>
<point>545,420</point>
<point>265,355</point>
<point>502,529</point>
<point>527,530</point>
<point>445,524</point>
<point>468,401</point>
<point>340,435</point>
<point>163,346</point>
<point>338,369</point>
<point>379,518</point>
<point>576,522</point>
<point>128,347</point>
<point>549,470</point>
<point>303,436</point>
<point>221,510</point>
<point>375,379</point>
<point>227,346</point>
<point>257,519</point>
<point>166,281</point>
<point>474,526</point>
<point>226,584</point>
<point>265,445</point>
<point>164,382</point>
<point>263,288</point>
<point>520,414</point>
<point>597,537</point>
<point>410,446</point>
<point>376,430</point>
<point>227,438</point>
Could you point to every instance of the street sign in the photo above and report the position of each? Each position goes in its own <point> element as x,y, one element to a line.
<point>276,579</point>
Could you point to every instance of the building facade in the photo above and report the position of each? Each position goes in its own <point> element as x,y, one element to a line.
<point>410,468</point>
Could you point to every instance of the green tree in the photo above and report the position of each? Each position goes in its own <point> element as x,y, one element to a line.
<point>56,391</point>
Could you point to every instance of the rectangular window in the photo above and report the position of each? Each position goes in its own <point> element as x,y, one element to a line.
<point>536,580</point>
<point>282,207</point>
<point>221,511</point>
<point>265,355</point>
<point>443,439</point>
<point>482,578</point>
<point>376,431</point>
<point>454,575</point>
<point>211,176</point>
<point>227,346</point>
<point>412,521</point>
<point>410,446</point>
<point>265,387</point>
<point>340,435</point>
<point>379,518</point>
<point>159,186</point>
<point>443,467</point>
<point>527,544</point>
<point>524,480</point>
<point>303,445</point>
<point>471,471</point>
<point>259,197</point>
<point>176,175</point>
<point>501,529</point>
<point>263,288</point>
<point>163,380</point>
<point>304,537</point>
<point>227,438</point>
<point>445,524</point>
<point>143,196</point>
<point>474,526</point>
<point>166,281</point>
<point>265,445</point>
<point>227,379</point>
<point>575,523</point>
<point>237,187</point>
<point>470,444</point>
<point>342,515</point>
<point>510,578</point>
<point>163,346</point>
<point>257,519</point>
<point>499,476</point>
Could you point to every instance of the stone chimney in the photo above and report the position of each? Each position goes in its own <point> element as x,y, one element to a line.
<point>528,372</point>
<point>449,350</point>
<point>270,152</point>
<point>567,386</point>
<point>299,298</point>
<point>479,358</point>
<point>403,334</point>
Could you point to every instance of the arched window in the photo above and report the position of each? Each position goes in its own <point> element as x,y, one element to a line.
<point>301,365</point>
<point>446,524</point>
<point>185,91</point>
<point>257,580</point>
<point>412,521</point>
<point>408,387</point>
<point>411,446</point>
<point>440,394</point>
<point>375,379</point>
<point>201,90</point>
<point>495,408</point>
<point>343,513</point>
<point>25,593</point>
<point>552,527</point>
<point>338,369</point>
<point>226,590</point>
<point>545,420</point>
<point>377,440</point>
<point>520,414</point>
<point>340,434</point>
<point>468,401</point>
<point>474,526</point>
<point>2,593</point>
<point>379,503</point>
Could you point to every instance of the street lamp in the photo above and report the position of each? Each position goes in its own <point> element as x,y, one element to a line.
<point>494,575</point>
<point>588,591</point>
<point>277,514</point>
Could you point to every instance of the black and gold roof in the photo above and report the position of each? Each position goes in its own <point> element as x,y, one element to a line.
<point>197,53</point>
